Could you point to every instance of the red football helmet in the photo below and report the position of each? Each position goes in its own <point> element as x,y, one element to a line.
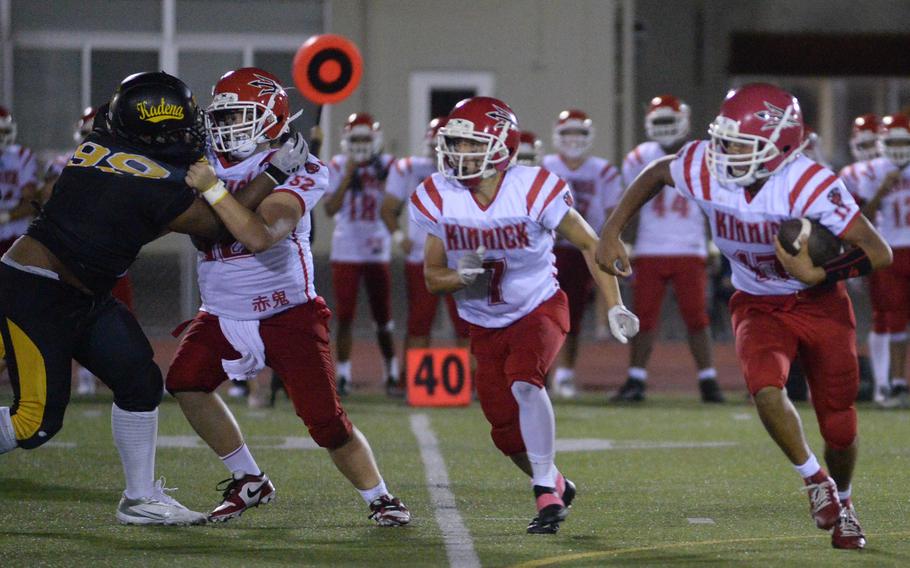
<point>432,130</point>
<point>487,121</point>
<point>530,149</point>
<point>7,128</point>
<point>667,120</point>
<point>249,107</point>
<point>894,139</point>
<point>361,137</point>
<point>573,134</point>
<point>863,137</point>
<point>759,130</point>
<point>84,126</point>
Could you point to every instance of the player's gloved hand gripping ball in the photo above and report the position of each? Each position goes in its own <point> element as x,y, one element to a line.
<point>470,266</point>
<point>623,323</point>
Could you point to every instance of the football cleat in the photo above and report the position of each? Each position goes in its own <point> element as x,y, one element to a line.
<point>565,389</point>
<point>85,382</point>
<point>159,508</point>
<point>240,494</point>
<point>551,509</point>
<point>632,391</point>
<point>823,503</point>
<point>393,388</point>
<point>239,389</point>
<point>389,511</point>
<point>710,391</point>
<point>343,385</point>
<point>847,532</point>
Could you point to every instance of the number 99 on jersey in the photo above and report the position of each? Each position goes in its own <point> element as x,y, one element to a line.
<point>439,377</point>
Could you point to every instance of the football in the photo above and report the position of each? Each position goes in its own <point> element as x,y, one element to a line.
<point>823,244</point>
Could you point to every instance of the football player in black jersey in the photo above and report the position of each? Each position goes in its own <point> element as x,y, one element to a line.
<point>123,187</point>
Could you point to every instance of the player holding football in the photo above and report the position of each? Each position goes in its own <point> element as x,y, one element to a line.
<point>747,178</point>
<point>595,185</point>
<point>883,190</point>
<point>259,303</point>
<point>361,244</point>
<point>122,188</point>
<point>404,176</point>
<point>670,246</point>
<point>490,228</point>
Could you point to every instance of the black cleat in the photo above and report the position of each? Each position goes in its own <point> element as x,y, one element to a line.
<point>632,391</point>
<point>710,391</point>
<point>343,385</point>
<point>393,388</point>
<point>551,510</point>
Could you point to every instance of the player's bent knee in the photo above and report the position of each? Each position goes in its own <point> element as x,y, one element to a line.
<point>51,423</point>
<point>507,439</point>
<point>143,393</point>
<point>332,434</point>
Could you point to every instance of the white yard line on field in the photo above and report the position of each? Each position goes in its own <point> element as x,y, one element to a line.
<point>458,541</point>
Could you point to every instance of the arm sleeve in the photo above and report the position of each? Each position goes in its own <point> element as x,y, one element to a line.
<point>681,168</point>
<point>552,202</point>
<point>308,186</point>
<point>399,179</point>
<point>424,213</point>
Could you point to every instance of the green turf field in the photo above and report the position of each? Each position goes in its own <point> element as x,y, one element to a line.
<point>647,497</point>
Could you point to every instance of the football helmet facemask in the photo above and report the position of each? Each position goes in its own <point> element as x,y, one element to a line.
<point>249,107</point>
<point>864,137</point>
<point>894,139</point>
<point>491,126</point>
<point>157,113</point>
<point>573,134</point>
<point>667,120</point>
<point>759,130</point>
<point>361,137</point>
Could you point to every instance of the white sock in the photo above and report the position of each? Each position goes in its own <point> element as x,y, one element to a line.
<point>135,435</point>
<point>563,374</point>
<point>241,462</point>
<point>639,373</point>
<point>370,495</point>
<point>343,369</point>
<point>391,368</point>
<point>880,357</point>
<point>538,430</point>
<point>845,494</point>
<point>8,440</point>
<point>707,373</point>
<point>810,468</point>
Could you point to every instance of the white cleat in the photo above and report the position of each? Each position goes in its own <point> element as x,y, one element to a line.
<point>565,389</point>
<point>157,509</point>
<point>85,382</point>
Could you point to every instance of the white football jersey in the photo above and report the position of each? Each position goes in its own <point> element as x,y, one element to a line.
<point>669,224</point>
<point>18,168</point>
<point>851,176</point>
<point>596,187</point>
<point>517,230</point>
<point>238,284</point>
<point>404,177</point>
<point>360,235</point>
<point>893,217</point>
<point>744,228</point>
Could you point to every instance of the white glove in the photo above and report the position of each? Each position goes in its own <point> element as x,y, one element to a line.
<point>288,160</point>
<point>470,266</point>
<point>623,323</point>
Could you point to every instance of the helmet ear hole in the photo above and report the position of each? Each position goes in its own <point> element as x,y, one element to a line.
<point>786,149</point>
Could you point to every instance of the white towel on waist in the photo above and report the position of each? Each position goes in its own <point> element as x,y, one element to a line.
<point>243,335</point>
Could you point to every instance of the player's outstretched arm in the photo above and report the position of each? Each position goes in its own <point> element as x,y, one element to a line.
<point>272,221</point>
<point>611,254</point>
<point>623,323</point>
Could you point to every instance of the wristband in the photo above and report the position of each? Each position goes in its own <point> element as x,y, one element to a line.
<point>855,262</point>
<point>215,193</point>
<point>278,176</point>
<point>4,217</point>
